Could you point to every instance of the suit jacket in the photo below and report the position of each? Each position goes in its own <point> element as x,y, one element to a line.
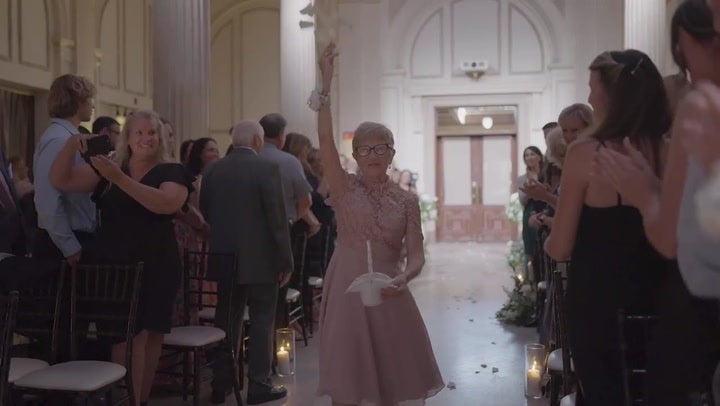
<point>242,200</point>
<point>11,233</point>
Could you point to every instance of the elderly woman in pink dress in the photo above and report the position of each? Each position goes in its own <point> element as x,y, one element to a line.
<point>378,355</point>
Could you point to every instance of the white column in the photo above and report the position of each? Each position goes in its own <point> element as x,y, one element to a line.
<point>645,28</point>
<point>298,70</point>
<point>181,65</point>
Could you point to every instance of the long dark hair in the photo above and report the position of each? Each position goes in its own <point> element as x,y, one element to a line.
<point>537,151</point>
<point>695,18</point>
<point>184,150</point>
<point>638,106</point>
<point>195,163</point>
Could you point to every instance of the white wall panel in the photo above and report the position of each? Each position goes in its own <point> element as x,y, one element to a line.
<point>476,32</point>
<point>33,33</point>
<point>5,28</point>
<point>526,52</point>
<point>109,45</point>
<point>427,54</point>
<point>135,45</point>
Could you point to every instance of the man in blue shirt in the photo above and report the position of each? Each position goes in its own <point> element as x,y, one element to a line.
<point>65,219</point>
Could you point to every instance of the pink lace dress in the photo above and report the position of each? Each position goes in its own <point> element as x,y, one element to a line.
<point>380,355</point>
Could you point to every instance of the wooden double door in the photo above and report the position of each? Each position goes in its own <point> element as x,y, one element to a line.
<point>475,176</point>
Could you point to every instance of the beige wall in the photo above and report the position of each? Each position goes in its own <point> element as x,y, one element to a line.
<point>245,63</point>
<point>104,40</point>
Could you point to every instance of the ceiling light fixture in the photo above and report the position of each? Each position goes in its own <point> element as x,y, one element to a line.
<point>487,123</point>
<point>461,113</point>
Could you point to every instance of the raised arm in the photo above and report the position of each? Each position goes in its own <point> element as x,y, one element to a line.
<point>334,173</point>
<point>168,198</point>
<point>68,176</point>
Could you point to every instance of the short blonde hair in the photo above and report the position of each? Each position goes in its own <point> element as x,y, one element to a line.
<point>123,152</point>
<point>370,129</point>
<point>581,111</point>
<point>556,147</point>
<point>66,94</point>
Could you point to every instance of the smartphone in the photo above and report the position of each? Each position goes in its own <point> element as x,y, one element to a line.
<point>99,145</point>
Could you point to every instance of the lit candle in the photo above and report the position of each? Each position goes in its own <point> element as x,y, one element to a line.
<point>283,360</point>
<point>369,252</point>
<point>533,380</point>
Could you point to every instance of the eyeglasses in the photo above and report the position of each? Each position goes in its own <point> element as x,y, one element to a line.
<point>380,149</point>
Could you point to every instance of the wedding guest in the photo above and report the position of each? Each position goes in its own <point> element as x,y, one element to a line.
<point>242,200</point>
<point>66,220</point>
<point>406,181</point>
<point>392,335</point>
<point>21,181</point>
<point>105,125</point>
<point>533,159</point>
<point>185,148</point>
<point>139,194</point>
<point>574,120</point>
<point>670,218</point>
<point>613,266</point>
<point>10,225</point>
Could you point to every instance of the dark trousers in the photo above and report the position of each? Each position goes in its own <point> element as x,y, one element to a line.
<point>261,300</point>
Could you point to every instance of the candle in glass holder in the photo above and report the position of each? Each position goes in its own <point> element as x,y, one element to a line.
<point>283,361</point>
<point>534,376</point>
<point>369,255</point>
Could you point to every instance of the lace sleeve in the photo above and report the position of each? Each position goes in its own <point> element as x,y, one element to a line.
<point>414,222</point>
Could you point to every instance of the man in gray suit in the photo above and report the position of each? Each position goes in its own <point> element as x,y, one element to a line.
<point>242,200</point>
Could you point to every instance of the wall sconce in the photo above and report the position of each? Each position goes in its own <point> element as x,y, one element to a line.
<point>487,123</point>
<point>120,118</point>
<point>461,113</point>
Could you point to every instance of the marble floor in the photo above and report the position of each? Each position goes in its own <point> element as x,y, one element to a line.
<point>458,294</point>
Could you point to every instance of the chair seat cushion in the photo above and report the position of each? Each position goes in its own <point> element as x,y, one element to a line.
<point>315,282</point>
<point>20,367</point>
<point>292,295</point>
<point>74,376</point>
<point>569,400</point>
<point>193,336</point>
<point>207,313</point>
<point>555,362</point>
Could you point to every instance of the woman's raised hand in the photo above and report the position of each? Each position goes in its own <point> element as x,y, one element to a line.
<point>327,66</point>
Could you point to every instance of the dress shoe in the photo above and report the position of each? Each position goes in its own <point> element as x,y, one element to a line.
<point>266,395</point>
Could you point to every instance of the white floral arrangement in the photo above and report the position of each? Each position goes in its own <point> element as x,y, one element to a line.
<point>428,208</point>
<point>514,209</point>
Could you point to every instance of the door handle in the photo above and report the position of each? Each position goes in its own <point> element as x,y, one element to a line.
<point>475,192</point>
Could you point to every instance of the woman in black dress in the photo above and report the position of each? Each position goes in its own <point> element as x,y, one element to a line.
<point>137,195</point>
<point>613,265</point>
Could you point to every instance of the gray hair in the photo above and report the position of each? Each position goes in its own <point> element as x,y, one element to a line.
<point>369,129</point>
<point>244,133</point>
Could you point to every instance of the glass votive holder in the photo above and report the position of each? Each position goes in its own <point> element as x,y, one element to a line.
<point>285,345</point>
<point>534,369</point>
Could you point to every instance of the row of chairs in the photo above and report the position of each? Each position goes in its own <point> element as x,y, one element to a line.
<point>102,310</point>
<point>102,307</point>
<point>634,334</point>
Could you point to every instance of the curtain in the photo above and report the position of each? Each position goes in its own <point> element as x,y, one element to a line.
<point>17,125</point>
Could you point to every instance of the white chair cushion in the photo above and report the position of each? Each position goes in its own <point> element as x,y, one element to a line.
<point>292,295</point>
<point>193,336</point>
<point>568,400</point>
<point>315,282</point>
<point>74,376</point>
<point>555,362</point>
<point>542,285</point>
<point>20,367</point>
<point>208,313</point>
